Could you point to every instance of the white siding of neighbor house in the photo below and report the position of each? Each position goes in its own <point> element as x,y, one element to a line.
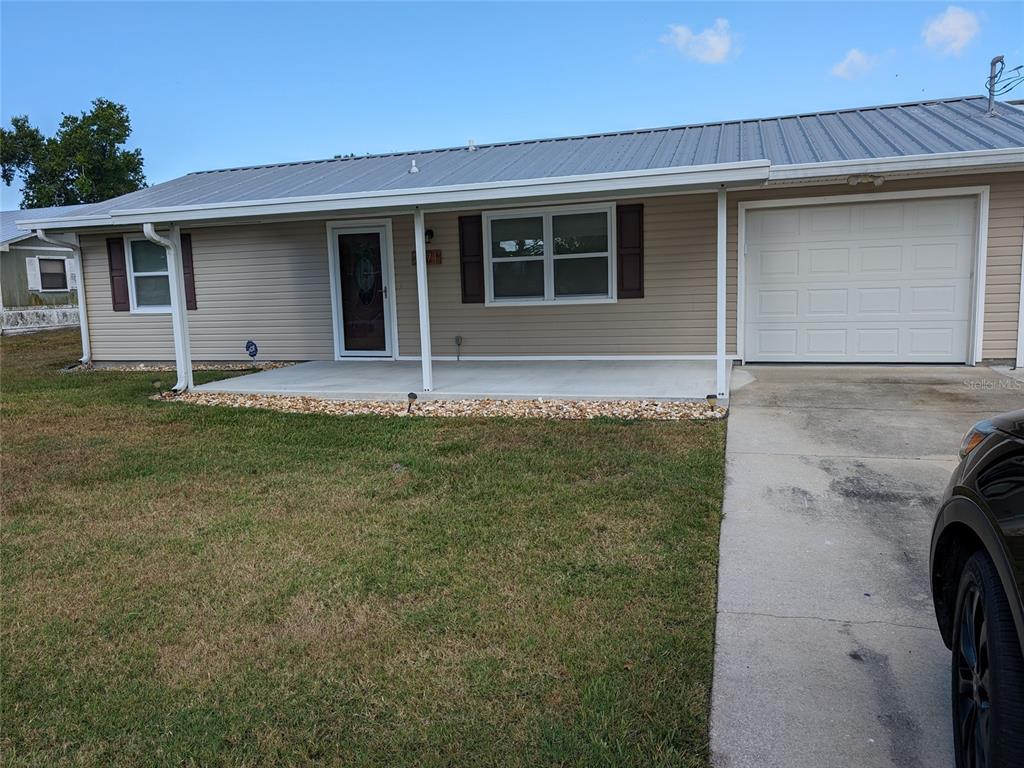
<point>269,282</point>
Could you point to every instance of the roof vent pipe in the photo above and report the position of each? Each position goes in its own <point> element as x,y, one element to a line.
<point>414,169</point>
<point>472,146</point>
<point>993,76</point>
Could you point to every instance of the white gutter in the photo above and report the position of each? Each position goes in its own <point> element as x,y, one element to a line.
<point>659,178</point>
<point>179,317</point>
<point>83,317</point>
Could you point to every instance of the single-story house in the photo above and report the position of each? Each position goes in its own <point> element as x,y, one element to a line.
<point>887,234</point>
<point>38,280</point>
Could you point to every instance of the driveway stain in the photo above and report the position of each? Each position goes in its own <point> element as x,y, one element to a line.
<point>901,727</point>
<point>866,486</point>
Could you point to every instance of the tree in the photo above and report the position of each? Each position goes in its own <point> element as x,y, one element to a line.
<point>84,162</point>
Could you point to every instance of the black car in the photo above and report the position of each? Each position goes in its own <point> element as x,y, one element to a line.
<point>977,578</point>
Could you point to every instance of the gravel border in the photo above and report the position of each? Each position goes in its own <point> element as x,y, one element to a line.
<point>518,409</point>
<point>170,367</point>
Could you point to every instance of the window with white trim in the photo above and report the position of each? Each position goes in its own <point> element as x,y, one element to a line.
<point>53,274</point>
<point>560,254</point>
<point>149,284</point>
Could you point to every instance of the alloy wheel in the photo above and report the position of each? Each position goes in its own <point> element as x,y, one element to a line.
<point>974,707</point>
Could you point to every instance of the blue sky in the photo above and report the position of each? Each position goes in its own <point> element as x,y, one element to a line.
<point>215,85</point>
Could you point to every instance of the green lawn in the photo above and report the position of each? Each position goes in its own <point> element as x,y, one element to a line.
<point>210,586</point>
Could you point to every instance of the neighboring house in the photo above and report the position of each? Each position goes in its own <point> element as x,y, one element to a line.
<point>881,234</point>
<point>38,280</point>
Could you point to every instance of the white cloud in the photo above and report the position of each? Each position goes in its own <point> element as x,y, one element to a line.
<point>855,64</point>
<point>710,46</point>
<point>951,30</point>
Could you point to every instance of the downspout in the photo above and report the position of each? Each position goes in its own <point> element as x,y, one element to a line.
<point>721,285</point>
<point>179,318</point>
<point>83,317</point>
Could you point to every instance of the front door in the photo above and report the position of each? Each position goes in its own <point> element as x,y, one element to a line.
<point>363,292</point>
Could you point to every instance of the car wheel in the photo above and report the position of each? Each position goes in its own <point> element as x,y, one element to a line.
<point>988,672</point>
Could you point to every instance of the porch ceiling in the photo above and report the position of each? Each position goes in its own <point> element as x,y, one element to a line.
<point>477,379</point>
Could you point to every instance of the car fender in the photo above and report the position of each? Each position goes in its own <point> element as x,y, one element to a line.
<point>968,512</point>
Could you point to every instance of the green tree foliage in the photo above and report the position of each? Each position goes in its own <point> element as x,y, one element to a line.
<point>84,162</point>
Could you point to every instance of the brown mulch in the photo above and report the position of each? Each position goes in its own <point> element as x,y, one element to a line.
<point>517,409</point>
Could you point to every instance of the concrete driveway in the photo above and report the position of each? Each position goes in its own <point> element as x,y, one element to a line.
<point>827,652</point>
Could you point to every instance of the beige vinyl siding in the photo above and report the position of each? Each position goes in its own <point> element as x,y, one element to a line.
<point>675,317</point>
<point>118,335</point>
<point>268,283</point>
<point>1005,234</point>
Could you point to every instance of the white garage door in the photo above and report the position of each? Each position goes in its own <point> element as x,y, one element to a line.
<point>865,282</point>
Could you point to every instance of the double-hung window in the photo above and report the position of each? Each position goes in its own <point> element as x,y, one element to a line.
<point>149,284</point>
<point>550,255</point>
<point>53,274</point>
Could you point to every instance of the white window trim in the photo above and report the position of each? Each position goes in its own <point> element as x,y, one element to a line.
<point>67,280</point>
<point>134,308</point>
<point>546,213</point>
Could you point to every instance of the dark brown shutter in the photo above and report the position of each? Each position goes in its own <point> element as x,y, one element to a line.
<point>187,271</point>
<point>471,258</point>
<point>118,274</point>
<point>630,237</point>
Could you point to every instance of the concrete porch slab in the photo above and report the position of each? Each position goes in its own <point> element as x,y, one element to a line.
<point>477,379</point>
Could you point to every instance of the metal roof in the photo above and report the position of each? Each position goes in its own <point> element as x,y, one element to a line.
<point>9,233</point>
<point>887,131</point>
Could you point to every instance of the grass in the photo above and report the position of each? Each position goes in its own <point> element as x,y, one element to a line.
<point>207,586</point>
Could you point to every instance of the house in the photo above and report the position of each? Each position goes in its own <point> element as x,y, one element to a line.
<point>38,280</point>
<point>879,234</point>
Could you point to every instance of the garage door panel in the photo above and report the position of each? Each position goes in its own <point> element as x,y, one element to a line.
<point>781,264</point>
<point>828,261</point>
<point>887,217</point>
<point>776,305</point>
<point>826,341</point>
<point>951,216</point>
<point>837,343</point>
<point>830,220</point>
<point>828,303</point>
<point>876,342</point>
<point>880,260</point>
<point>863,282</point>
<point>935,301</point>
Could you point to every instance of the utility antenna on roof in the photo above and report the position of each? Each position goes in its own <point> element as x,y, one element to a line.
<point>1000,82</point>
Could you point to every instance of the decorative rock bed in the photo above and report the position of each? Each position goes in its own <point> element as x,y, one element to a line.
<point>169,367</point>
<point>517,409</point>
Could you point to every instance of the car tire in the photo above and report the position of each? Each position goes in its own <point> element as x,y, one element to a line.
<point>987,672</point>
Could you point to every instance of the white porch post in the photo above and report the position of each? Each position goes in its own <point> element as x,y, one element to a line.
<point>423,300</point>
<point>71,242</point>
<point>179,313</point>
<point>721,375</point>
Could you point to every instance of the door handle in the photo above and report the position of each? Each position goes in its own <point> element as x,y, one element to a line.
<point>385,291</point>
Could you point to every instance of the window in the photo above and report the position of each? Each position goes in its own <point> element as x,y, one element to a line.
<point>148,282</point>
<point>53,274</point>
<point>552,255</point>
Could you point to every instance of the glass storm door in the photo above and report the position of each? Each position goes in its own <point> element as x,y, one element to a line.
<point>362,291</point>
